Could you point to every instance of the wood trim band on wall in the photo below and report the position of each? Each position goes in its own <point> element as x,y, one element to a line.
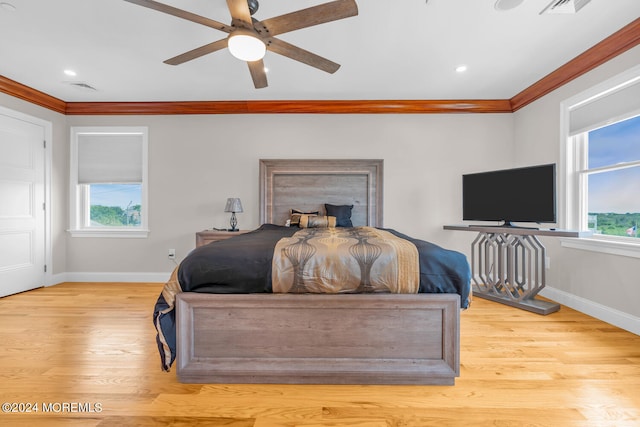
<point>621,41</point>
<point>292,107</point>
<point>18,90</point>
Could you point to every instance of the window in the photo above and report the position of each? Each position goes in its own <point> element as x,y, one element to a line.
<point>109,182</point>
<point>612,178</point>
<point>602,165</point>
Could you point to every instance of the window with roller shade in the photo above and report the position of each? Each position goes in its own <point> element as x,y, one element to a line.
<point>602,150</point>
<point>109,181</point>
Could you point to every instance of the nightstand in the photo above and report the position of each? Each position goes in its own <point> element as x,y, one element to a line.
<point>207,236</point>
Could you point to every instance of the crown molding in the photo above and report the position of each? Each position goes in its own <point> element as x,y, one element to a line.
<point>619,42</point>
<point>18,90</point>
<point>292,107</point>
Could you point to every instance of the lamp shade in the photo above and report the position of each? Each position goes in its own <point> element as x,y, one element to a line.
<point>233,205</point>
<point>245,45</point>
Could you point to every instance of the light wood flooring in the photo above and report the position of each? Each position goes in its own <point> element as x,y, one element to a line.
<point>94,345</point>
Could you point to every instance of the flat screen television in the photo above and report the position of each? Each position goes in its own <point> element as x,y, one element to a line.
<point>525,194</point>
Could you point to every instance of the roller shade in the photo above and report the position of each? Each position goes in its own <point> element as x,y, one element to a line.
<point>618,105</point>
<point>104,158</point>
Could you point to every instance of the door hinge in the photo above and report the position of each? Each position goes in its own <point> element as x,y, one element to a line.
<point>45,268</point>
<point>44,144</point>
<point>44,206</point>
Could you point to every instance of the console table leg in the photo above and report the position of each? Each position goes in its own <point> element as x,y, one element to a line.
<point>510,269</point>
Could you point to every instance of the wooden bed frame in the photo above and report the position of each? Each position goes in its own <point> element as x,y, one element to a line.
<point>319,339</point>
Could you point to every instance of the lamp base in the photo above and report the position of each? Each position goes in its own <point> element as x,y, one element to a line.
<point>233,222</point>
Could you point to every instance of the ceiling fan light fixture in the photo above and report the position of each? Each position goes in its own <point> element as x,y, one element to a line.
<point>244,45</point>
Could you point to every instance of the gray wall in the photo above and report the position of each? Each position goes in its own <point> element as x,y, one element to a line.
<point>609,280</point>
<point>196,162</point>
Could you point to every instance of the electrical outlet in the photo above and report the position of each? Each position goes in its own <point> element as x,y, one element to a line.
<point>547,262</point>
<point>172,254</point>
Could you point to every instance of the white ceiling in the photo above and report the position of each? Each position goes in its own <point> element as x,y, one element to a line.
<point>403,49</point>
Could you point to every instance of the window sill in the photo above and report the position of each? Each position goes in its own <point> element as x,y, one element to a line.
<point>111,233</point>
<point>612,247</point>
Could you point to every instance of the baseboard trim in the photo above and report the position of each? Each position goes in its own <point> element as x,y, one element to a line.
<point>610,315</point>
<point>110,277</point>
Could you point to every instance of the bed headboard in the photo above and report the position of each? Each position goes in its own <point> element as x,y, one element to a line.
<point>307,185</point>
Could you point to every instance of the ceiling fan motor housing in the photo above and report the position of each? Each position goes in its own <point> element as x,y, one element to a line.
<point>253,6</point>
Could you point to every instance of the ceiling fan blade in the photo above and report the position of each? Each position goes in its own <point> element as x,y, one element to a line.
<point>290,51</point>
<point>311,16</point>
<point>239,10</point>
<point>170,10</point>
<point>198,52</point>
<point>258,74</point>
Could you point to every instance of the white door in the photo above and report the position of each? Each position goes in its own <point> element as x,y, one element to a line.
<point>22,196</point>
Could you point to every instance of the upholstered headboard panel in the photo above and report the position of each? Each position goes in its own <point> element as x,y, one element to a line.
<point>307,185</point>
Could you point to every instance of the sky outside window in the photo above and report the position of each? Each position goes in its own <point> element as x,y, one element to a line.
<point>615,191</point>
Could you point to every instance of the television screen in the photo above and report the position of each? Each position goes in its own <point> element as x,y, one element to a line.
<point>511,195</point>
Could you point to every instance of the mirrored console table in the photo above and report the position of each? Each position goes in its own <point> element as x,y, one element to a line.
<point>508,264</point>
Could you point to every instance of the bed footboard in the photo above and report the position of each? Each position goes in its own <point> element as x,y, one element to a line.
<point>318,339</point>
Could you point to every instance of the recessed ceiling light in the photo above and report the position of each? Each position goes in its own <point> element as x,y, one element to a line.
<point>461,68</point>
<point>70,73</point>
<point>8,6</point>
<point>507,4</point>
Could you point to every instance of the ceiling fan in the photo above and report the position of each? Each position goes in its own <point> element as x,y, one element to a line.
<point>249,38</point>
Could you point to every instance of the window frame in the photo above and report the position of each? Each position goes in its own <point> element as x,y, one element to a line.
<point>573,176</point>
<point>79,209</point>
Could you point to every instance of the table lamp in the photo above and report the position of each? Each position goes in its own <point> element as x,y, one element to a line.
<point>233,205</point>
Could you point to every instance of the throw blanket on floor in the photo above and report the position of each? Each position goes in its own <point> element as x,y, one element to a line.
<point>345,260</point>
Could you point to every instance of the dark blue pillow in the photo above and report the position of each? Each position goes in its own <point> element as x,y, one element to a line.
<point>342,214</point>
